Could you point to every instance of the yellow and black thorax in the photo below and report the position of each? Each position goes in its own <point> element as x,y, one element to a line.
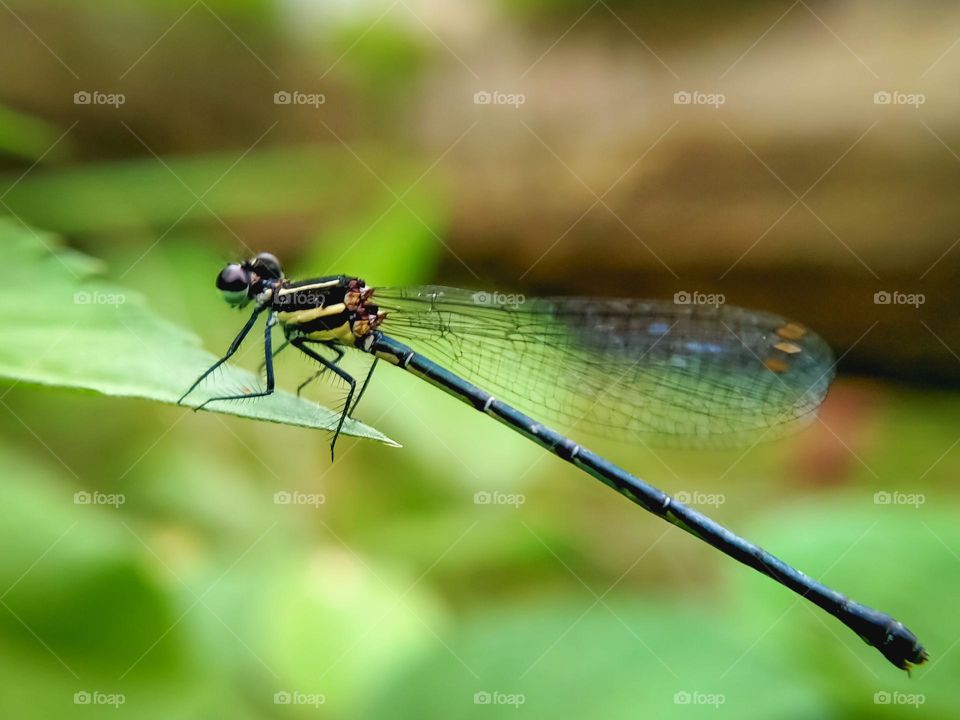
<point>328,309</point>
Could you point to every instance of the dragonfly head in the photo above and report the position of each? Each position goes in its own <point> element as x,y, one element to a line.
<point>242,282</point>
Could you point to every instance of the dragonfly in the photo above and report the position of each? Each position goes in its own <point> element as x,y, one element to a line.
<point>637,370</point>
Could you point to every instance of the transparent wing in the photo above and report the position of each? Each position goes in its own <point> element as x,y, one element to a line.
<point>651,370</point>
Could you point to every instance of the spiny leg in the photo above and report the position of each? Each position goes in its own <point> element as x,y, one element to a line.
<point>301,345</point>
<point>275,353</point>
<point>267,361</point>
<point>230,351</point>
<point>339,352</point>
<point>363,388</point>
<point>336,361</point>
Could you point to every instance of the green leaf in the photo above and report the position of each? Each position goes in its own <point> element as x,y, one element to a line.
<point>68,328</point>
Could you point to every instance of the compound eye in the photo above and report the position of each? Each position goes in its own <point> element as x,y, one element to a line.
<point>232,279</point>
<point>234,283</point>
<point>266,265</point>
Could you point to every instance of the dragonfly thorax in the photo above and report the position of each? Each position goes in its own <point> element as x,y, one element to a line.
<point>331,309</point>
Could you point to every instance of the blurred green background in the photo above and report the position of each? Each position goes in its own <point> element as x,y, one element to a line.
<point>539,146</point>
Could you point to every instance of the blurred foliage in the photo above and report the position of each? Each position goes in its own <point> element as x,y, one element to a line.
<point>28,137</point>
<point>145,193</point>
<point>200,566</point>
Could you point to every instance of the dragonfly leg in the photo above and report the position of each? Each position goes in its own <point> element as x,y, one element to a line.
<point>336,361</point>
<point>332,367</point>
<point>276,352</point>
<point>268,363</point>
<point>230,351</point>
<point>363,388</point>
<point>321,371</point>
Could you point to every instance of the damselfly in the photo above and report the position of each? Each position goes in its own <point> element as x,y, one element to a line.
<point>641,370</point>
